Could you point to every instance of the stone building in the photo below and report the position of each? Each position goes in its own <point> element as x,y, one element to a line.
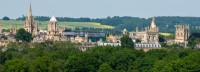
<point>13,30</point>
<point>113,39</point>
<point>150,35</point>
<point>53,30</point>
<point>182,33</point>
<point>79,39</point>
<point>30,25</point>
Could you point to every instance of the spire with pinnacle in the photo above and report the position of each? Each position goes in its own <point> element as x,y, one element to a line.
<point>30,11</point>
<point>153,25</point>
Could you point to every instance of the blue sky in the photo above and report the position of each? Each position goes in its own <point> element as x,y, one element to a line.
<point>100,8</point>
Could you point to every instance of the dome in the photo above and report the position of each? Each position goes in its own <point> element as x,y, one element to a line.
<point>53,19</point>
<point>124,30</point>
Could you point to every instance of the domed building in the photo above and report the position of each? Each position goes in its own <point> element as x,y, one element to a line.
<point>53,30</point>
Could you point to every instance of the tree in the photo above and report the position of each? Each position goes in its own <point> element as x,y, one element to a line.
<point>84,62</point>
<point>105,68</point>
<point>138,41</point>
<point>5,18</point>
<point>192,62</point>
<point>23,35</point>
<point>16,65</point>
<point>44,64</point>
<point>4,37</point>
<point>126,42</point>
<point>157,67</point>
<point>161,38</point>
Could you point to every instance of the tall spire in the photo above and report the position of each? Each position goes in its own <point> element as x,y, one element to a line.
<point>30,11</point>
<point>153,25</point>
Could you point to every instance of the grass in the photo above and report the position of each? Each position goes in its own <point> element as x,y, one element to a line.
<point>42,25</point>
<point>166,34</point>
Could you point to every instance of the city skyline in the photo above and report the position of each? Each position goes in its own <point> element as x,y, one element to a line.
<point>100,9</point>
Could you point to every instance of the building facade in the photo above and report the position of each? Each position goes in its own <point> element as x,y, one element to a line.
<point>53,30</point>
<point>150,35</point>
<point>182,33</point>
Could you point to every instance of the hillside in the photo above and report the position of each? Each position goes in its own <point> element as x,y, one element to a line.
<point>166,24</point>
<point>43,24</point>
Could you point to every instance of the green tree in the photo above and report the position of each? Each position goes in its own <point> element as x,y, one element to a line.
<point>120,60</point>
<point>83,62</point>
<point>4,37</point>
<point>16,65</point>
<point>23,35</point>
<point>2,68</point>
<point>158,66</point>
<point>5,18</point>
<point>192,62</point>
<point>126,42</point>
<point>44,64</point>
<point>5,56</point>
<point>105,68</point>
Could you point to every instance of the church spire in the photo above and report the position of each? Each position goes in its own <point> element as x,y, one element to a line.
<point>30,11</point>
<point>153,25</point>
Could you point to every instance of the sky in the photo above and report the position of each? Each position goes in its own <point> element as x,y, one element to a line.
<point>100,8</point>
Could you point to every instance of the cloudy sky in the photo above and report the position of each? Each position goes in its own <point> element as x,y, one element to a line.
<point>100,8</point>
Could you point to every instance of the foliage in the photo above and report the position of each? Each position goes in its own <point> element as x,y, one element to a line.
<point>193,40</point>
<point>4,37</point>
<point>23,35</point>
<point>5,18</point>
<point>105,68</point>
<point>44,64</point>
<point>126,42</point>
<point>16,65</point>
<point>52,56</point>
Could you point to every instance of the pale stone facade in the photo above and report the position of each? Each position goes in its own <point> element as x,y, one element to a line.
<point>13,30</point>
<point>30,25</point>
<point>182,33</point>
<point>113,39</point>
<point>53,30</point>
<point>79,39</point>
<point>150,35</point>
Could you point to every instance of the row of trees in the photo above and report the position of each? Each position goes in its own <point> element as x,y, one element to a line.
<point>52,56</point>
<point>64,56</point>
<point>165,23</point>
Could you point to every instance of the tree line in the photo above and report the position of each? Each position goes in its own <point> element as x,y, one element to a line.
<point>56,56</point>
<point>165,23</point>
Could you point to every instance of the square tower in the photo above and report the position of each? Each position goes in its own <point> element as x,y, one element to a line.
<point>182,33</point>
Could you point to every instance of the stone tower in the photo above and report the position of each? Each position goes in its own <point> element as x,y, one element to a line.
<point>152,33</point>
<point>182,33</point>
<point>30,25</point>
<point>52,26</point>
<point>53,31</point>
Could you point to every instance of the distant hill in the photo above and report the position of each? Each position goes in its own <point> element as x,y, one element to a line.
<point>43,24</point>
<point>166,24</point>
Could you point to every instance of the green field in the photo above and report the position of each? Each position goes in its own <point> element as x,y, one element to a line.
<point>43,25</point>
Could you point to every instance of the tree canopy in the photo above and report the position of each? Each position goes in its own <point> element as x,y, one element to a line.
<point>126,42</point>
<point>23,36</point>
<point>52,56</point>
<point>5,18</point>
